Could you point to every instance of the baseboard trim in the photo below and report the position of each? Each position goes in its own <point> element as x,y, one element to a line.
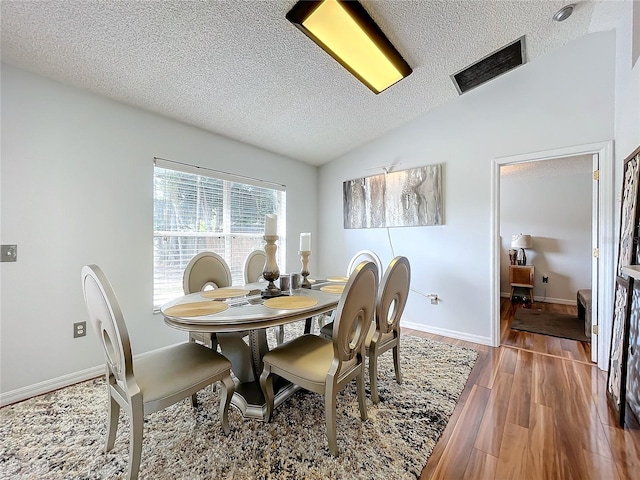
<point>447,333</point>
<point>23,393</point>
<point>560,301</point>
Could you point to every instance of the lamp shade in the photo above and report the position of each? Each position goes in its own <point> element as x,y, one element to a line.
<point>521,241</point>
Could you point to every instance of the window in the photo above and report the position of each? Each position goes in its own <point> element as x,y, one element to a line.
<point>196,209</point>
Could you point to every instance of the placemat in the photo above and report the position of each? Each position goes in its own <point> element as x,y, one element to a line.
<point>290,302</point>
<point>338,279</point>
<point>221,293</point>
<point>196,309</point>
<point>333,288</point>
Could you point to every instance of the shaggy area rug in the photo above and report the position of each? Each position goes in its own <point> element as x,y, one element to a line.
<point>60,435</point>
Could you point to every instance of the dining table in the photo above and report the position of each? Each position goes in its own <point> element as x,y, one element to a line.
<point>236,313</point>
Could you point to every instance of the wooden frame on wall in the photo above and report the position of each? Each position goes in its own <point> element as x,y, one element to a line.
<point>633,355</point>
<point>628,214</point>
<point>633,351</point>
<point>627,255</point>
<point>617,374</point>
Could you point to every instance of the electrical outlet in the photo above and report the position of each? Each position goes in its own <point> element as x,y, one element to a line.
<point>79,329</point>
<point>8,253</point>
<point>545,279</point>
<point>434,298</point>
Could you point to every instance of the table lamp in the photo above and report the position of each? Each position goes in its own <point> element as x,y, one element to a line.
<point>520,241</point>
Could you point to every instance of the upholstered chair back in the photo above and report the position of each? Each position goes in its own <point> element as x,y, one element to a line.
<point>393,294</point>
<point>206,270</point>
<point>354,314</point>
<point>108,323</point>
<point>254,265</point>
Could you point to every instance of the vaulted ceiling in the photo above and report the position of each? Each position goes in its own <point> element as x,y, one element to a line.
<point>240,69</point>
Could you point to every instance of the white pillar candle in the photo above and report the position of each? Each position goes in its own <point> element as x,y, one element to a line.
<point>305,242</point>
<point>271,224</point>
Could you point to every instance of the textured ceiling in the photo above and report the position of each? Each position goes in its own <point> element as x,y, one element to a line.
<point>240,69</point>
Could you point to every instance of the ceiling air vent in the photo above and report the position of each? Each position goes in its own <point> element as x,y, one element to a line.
<point>490,67</point>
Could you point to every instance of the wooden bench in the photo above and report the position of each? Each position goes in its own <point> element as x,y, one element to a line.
<point>584,309</point>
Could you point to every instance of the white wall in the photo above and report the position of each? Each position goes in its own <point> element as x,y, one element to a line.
<point>76,188</point>
<point>627,98</point>
<point>563,99</point>
<point>551,200</point>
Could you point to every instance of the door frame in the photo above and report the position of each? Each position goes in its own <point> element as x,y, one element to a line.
<point>603,314</point>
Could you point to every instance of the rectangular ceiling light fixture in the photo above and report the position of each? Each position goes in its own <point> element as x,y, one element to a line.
<point>345,31</point>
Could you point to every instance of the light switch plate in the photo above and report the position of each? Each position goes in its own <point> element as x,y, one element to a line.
<point>8,253</point>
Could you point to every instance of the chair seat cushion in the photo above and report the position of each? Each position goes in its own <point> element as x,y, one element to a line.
<point>584,296</point>
<point>327,332</point>
<point>176,368</point>
<point>307,358</point>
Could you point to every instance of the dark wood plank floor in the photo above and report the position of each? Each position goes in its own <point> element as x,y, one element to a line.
<point>534,408</point>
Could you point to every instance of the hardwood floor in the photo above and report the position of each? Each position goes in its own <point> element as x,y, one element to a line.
<point>534,408</point>
<point>559,347</point>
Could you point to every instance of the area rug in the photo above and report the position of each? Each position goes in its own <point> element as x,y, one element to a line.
<point>547,323</point>
<point>60,435</point>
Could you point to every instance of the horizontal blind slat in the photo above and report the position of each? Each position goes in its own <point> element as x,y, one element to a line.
<point>189,217</point>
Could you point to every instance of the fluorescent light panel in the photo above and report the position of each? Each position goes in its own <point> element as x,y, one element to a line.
<point>347,33</point>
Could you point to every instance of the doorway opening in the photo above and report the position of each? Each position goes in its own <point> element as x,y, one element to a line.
<point>546,221</point>
<point>601,239</point>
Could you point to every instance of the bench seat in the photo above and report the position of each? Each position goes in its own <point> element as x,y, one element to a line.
<point>584,309</point>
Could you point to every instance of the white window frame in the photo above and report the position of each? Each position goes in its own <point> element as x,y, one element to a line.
<point>167,282</point>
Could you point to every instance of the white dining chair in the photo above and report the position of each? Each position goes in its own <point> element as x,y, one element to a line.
<point>206,270</point>
<point>253,268</point>
<point>361,256</point>
<point>325,322</point>
<point>151,381</point>
<point>384,332</point>
<point>326,366</point>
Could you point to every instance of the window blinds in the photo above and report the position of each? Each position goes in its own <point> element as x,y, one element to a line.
<point>195,209</point>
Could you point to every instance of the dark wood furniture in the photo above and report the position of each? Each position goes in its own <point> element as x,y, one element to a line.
<point>583,301</point>
<point>522,276</point>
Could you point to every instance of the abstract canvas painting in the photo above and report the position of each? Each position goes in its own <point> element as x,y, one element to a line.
<point>617,374</point>
<point>629,214</point>
<point>407,198</point>
<point>625,305</point>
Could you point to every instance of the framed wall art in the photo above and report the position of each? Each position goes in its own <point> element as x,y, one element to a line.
<point>628,214</point>
<point>633,354</point>
<point>627,296</point>
<point>407,198</point>
<point>617,374</point>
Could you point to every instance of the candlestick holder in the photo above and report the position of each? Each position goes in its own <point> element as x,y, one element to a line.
<point>271,272</point>
<point>304,258</point>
